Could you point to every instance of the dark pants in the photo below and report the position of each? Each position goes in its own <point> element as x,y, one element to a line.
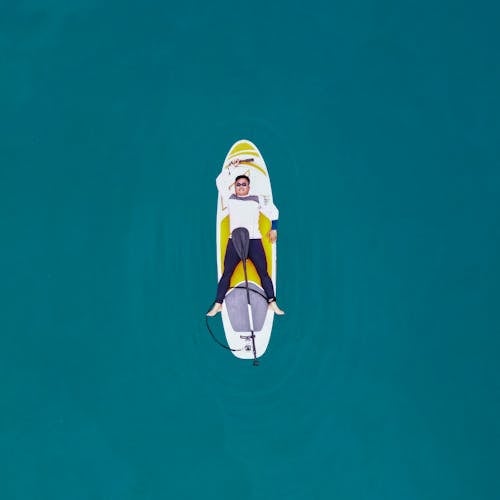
<point>231,260</point>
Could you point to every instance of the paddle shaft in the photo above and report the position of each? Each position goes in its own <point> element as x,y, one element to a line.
<point>240,238</point>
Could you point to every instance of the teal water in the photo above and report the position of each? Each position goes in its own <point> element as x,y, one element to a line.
<point>379,125</point>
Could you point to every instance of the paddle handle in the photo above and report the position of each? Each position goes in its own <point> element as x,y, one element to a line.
<point>233,163</point>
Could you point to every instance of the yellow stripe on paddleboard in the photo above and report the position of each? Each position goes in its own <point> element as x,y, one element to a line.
<point>242,147</point>
<point>254,166</point>
<point>249,152</point>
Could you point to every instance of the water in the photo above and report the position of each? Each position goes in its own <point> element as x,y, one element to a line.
<point>378,123</point>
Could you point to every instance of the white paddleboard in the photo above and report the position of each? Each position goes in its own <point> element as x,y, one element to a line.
<point>245,158</point>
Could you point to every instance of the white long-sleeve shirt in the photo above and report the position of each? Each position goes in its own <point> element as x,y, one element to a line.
<point>244,210</point>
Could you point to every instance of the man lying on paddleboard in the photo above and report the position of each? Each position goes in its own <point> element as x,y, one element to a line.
<point>243,210</point>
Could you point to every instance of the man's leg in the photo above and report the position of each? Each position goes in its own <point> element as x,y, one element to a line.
<point>257,255</point>
<point>231,260</point>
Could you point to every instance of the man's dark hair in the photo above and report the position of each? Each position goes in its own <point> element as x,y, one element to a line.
<point>242,177</point>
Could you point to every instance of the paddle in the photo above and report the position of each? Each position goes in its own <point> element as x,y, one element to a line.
<point>241,241</point>
<point>237,161</point>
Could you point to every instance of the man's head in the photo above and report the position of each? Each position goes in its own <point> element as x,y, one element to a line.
<point>242,185</point>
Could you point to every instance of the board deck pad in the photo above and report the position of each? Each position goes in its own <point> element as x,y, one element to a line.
<point>236,304</point>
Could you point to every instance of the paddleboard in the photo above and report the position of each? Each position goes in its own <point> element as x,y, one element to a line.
<point>244,158</point>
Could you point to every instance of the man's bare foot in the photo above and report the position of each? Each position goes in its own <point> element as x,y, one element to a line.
<point>274,307</point>
<point>215,309</point>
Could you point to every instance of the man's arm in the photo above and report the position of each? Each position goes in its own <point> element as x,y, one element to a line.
<point>269,209</point>
<point>223,182</point>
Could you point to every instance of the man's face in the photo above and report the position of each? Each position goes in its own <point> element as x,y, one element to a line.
<point>241,187</point>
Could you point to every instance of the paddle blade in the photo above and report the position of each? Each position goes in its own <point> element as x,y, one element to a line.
<point>241,241</point>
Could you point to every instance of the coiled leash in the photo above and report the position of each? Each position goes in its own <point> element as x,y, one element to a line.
<point>208,325</point>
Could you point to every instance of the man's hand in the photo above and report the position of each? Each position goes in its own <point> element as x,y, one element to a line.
<point>273,235</point>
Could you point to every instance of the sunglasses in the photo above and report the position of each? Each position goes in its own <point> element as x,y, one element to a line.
<point>241,184</point>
